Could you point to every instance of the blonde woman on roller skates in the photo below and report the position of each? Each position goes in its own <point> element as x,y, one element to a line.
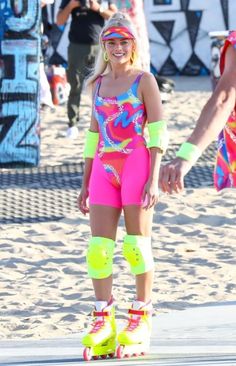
<point>121,174</point>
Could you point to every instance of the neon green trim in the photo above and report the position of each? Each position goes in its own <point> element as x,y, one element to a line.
<point>100,257</point>
<point>158,135</point>
<point>137,251</point>
<point>154,127</point>
<point>99,347</point>
<point>189,152</point>
<point>91,142</point>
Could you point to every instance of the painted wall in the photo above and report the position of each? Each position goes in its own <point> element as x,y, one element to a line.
<point>178,33</point>
<point>19,81</point>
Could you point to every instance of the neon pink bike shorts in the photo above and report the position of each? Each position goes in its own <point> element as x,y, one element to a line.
<point>134,176</point>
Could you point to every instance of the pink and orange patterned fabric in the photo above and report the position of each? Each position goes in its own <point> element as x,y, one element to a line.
<point>225,168</point>
<point>121,122</point>
<point>117,32</point>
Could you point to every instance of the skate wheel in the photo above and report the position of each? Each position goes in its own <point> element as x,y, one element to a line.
<point>95,358</point>
<point>135,354</point>
<point>103,357</point>
<point>87,354</point>
<point>143,353</point>
<point>120,352</point>
<point>111,355</point>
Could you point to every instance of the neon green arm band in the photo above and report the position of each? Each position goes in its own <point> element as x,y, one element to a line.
<point>189,152</point>
<point>158,135</point>
<point>91,142</point>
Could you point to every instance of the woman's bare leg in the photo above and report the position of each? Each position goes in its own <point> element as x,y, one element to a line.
<point>138,221</point>
<point>103,223</point>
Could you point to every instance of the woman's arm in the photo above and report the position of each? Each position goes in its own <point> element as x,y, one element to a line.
<point>89,161</point>
<point>84,193</point>
<point>152,100</point>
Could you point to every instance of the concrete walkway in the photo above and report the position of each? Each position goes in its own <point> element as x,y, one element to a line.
<point>200,336</point>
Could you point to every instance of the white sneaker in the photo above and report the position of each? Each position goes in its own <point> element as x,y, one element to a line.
<point>72,133</point>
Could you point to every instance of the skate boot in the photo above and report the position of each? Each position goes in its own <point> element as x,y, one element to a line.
<point>101,338</point>
<point>134,339</point>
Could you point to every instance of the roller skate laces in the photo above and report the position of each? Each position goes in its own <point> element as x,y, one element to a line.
<point>134,323</point>
<point>101,323</point>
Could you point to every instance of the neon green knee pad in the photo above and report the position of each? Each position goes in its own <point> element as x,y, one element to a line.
<point>100,257</point>
<point>137,251</point>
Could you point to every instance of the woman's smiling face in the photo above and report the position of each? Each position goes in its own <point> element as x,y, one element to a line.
<point>119,50</point>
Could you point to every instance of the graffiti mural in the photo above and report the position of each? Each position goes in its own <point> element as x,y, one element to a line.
<point>19,81</point>
<point>178,33</point>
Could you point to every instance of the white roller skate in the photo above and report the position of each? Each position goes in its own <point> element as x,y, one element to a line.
<point>134,339</point>
<point>100,341</point>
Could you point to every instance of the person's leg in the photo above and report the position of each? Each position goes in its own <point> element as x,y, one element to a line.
<point>103,223</point>
<point>138,223</point>
<point>135,337</point>
<point>137,251</point>
<point>105,209</point>
<point>102,336</point>
<point>81,58</point>
<point>77,56</point>
<point>45,92</point>
<point>92,55</point>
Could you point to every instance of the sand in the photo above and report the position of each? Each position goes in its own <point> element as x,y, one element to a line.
<point>44,288</point>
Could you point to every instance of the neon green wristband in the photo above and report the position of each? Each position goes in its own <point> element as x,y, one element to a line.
<point>158,135</point>
<point>91,142</point>
<point>189,152</point>
<point>153,127</point>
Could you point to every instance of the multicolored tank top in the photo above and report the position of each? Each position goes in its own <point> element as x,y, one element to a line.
<point>121,122</point>
<point>225,168</point>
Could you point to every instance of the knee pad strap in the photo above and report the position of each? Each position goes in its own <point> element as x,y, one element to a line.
<point>100,257</point>
<point>137,251</point>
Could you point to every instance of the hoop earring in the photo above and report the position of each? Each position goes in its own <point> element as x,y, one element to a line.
<point>132,57</point>
<point>105,56</point>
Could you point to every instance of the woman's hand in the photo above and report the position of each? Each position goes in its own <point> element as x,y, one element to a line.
<point>82,200</point>
<point>150,195</point>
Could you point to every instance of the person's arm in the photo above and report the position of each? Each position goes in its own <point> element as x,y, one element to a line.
<point>152,100</point>
<point>210,123</point>
<point>106,13</point>
<point>84,193</point>
<point>63,14</point>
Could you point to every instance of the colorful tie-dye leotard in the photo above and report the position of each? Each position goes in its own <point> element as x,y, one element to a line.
<point>121,165</point>
<point>225,168</point>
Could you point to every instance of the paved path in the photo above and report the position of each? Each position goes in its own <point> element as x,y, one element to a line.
<point>201,336</point>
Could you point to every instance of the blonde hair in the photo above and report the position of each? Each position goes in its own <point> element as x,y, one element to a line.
<point>101,66</point>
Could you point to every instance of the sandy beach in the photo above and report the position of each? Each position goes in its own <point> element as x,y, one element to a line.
<point>44,288</point>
